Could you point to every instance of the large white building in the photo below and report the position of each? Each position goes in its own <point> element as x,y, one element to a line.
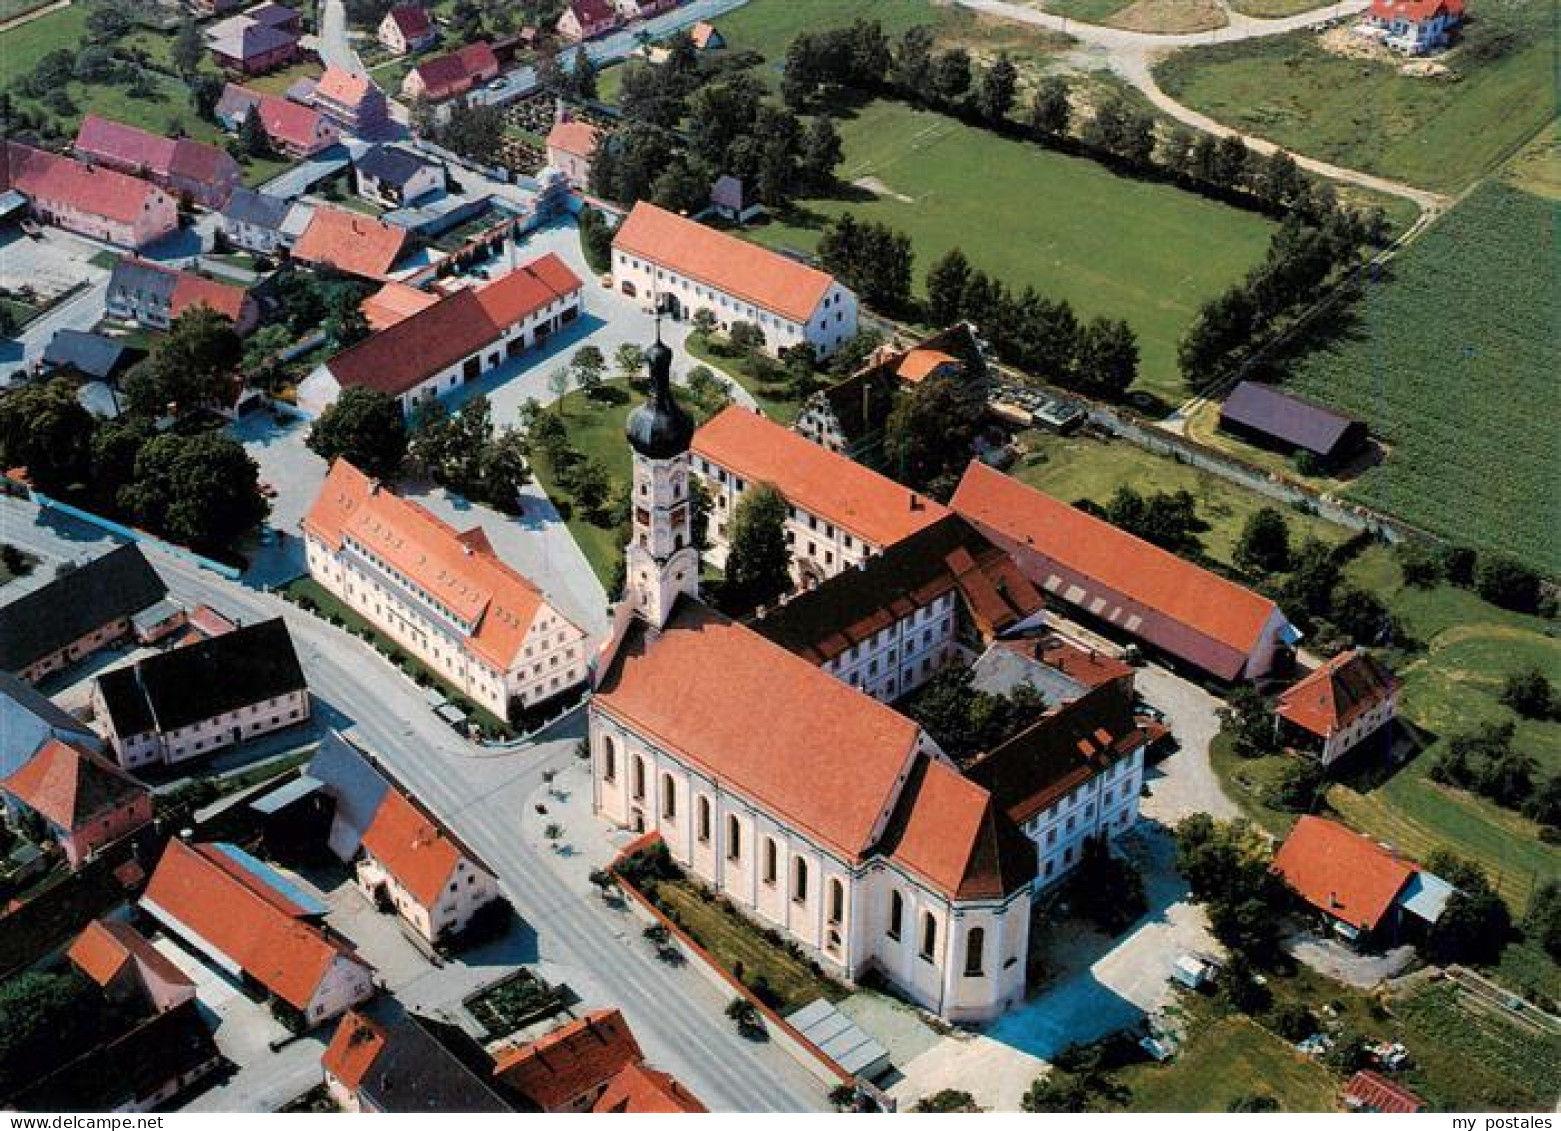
<point>443,595</point>
<point>682,266</point>
<point>841,512</point>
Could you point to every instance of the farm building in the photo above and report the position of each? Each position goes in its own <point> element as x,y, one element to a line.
<point>1338,706</point>
<point>1263,415</point>
<point>452,75</point>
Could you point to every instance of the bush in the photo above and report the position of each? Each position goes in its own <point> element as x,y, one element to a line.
<point>1293,1021</point>
<point>1508,583</point>
<point>1530,694</point>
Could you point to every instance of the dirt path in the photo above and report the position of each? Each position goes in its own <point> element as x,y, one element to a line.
<point>28,17</point>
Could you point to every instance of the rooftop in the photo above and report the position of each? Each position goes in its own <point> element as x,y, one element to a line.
<point>400,1067</point>
<point>1287,417</point>
<point>77,185</point>
<point>78,601</point>
<point>71,787</point>
<point>1337,693</point>
<point>1338,871</point>
<point>351,242</point>
<point>574,1059</point>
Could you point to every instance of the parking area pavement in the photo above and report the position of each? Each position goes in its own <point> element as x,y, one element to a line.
<point>50,264</point>
<point>1183,783</point>
<point>1332,958</point>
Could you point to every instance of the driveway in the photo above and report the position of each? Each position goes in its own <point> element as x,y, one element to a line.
<point>1332,958</point>
<point>1184,783</point>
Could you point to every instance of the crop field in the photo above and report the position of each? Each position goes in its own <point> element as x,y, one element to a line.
<point>1436,133</point>
<point>1110,245</point>
<point>1471,1057</point>
<point>1452,359</point>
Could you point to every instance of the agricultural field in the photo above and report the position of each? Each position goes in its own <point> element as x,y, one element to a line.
<point>1437,133</point>
<point>1470,1056</point>
<point>1458,386</point>
<point>1110,245</point>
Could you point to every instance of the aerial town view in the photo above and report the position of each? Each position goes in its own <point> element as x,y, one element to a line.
<point>743,556</point>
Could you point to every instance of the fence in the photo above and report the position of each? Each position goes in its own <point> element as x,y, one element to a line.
<point>119,530</point>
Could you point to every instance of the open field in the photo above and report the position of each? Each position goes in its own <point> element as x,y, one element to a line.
<point>1536,168</point>
<point>1224,1060</point>
<point>1110,245</point>
<point>1435,133</point>
<point>1461,387</point>
<point>1082,467</point>
<point>1170,17</point>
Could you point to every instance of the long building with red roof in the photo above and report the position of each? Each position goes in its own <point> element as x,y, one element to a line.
<point>1117,580</point>
<point>100,203</point>
<point>183,166</point>
<point>673,263</point>
<point>442,594</point>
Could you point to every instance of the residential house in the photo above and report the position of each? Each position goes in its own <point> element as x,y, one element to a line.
<point>260,39</point>
<point>128,968</point>
<point>1373,1092</point>
<point>154,296</point>
<point>732,200</point>
<point>587,19</point>
<point>442,594</point>
<point>190,170</point>
<point>455,340</point>
<point>253,221</point>
<point>86,607</point>
<point>590,1064</point>
<point>352,101</point>
<point>450,76</point>
<point>85,800</point>
<point>30,720</point>
<point>204,9</point>
<point>936,597</point>
<point>92,357</point>
<point>258,928</point>
<point>841,513</point>
<point>570,147</point>
<point>632,10</point>
<point>1124,584</point>
<point>395,302</point>
<point>1271,418</point>
<point>392,177</point>
<point>403,858</point>
<point>99,203</point>
<point>682,266</point>
<point>351,243</point>
<point>1414,27</point>
<point>401,1067</point>
<point>1338,706</point>
<point>1362,891</point>
<point>181,704</point>
<point>706,36</point>
<point>293,129</point>
<point>407,28</point>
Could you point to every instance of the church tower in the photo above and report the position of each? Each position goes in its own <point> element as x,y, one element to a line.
<point>662,563</point>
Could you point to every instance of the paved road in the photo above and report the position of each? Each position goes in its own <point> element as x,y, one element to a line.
<point>334,44</point>
<point>482,796</point>
<point>1133,55</point>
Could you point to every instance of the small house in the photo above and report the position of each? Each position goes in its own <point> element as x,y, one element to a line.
<point>253,221</point>
<point>153,296</point>
<point>406,28</point>
<point>570,147</point>
<point>1372,1092</point>
<point>393,177</point>
<point>587,19</point>
<point>93,357</point>
<point>1334,709</point>
<point>401,1066</point>
<point>85,800</point>
<point>128,968</point>
<point>732,199</point>
<point>450,76</point>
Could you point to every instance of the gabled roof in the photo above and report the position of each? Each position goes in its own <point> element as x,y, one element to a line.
<point>459,571</point>
<point>575,137</point>
<point>754,274</point>
<point>1416,10</point>
<point>1337,693</point>
<point>638,1090</point>
<point>357,787</point>
<point>284,121</point>
<point>350,242</point>
<point>445,74</point>
<point>832,486</point>
<point>1059,751</point>
<point>74,184</point>
<point>79,601</point>
<point>412,848</point>
<point>28,719</point>
<point>920,363</point>
<point>395,302</point>
<point>106,140</point>
<point>576,1058</point>
<point>401,1067</point>
<point>392,164</point>
<point>235,914</point>
<point>346,88</point>
<point>590,12</point>
<point>243,39</point>
<point>411,20</point>
<point>1373,1092</point>
<point>246,206</point>
<point>948,556</point>
<point>1228,616</point>
<point>1287,417</point>
<point>1340,872</point>
<point>692,690</point>
<point>92,355</point>
<point>182,290</point>
<point>1085,668</point>
<point>107,946</point>
<point>71,787</point>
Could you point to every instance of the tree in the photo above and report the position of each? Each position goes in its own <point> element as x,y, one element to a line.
<point>931,432</point>
<point>187,49</point>
<point>589,485</point>
<point>1248,721</point>
<point>252,136</point>
<point>1362,616</point>
<point>1106,890</point>
<point>1507,582</point>
<point>821,153</point>
<point>190,366</point>
<point>946,281</point>
<point>680,187</point>
<point>1313,575</point>
<point>1542,922</point>
<point>758,560</point>
<point>1050,109</point>
<point>93,64</point>
<point>1475,924</point>
<point>45,1021</point>
<point>1264,546</point>
<point>951,75</point>
<point>948,1100</point>
<point>1227,865</point>
<point>871,258</point>
<point>365,427</point>
<point>1107,129</point>
<point>704,322</point>
<point>1106,357</point>
<point>582,75</point>
<point>746,338</point>
<point>910,64</point>
<point>630,360</point>
<point>205,91</point>
<point>202,490</point>
<point>588,366</point>
<point>1300,787</point>
<point>1530,694</point>
<point>44,428</point>
<point>995,90</point>
<point>345,322</point>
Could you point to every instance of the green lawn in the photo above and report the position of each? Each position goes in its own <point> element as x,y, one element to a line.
<point>1452,359</point>
<point>775,407</point>
<point>1226,1059</point>
<point>1149,253</point>
<point>596,432</point>
<point>1436,133</point>
<point>1089,11</point>
<point>1082,467</point>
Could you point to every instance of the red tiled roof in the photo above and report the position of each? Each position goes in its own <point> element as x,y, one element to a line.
<point>71,787</point>
<point>245,920</point>
<point>1230,616</point>
<point>346,88</point>
<point>1370,1091</point>
<point>1337,693</point>
<point>395,302</point>
<point>579,138</point>
<point>1091,668</point>
<point>412,20</point>
<point>116,143</point>
<point>449,74</point>
<point>62,180</point>
<point>353,1049</point>
<point>693,688</point>
<point>754,274</point>
<point>521,293</point>
<point>832,486</point>
<point>919,364</point>
<point>951,834</point>
<point>1337,870</point>
<point>411,848</point>
<point>356,244</point>
<point>460,571</point>
<point>1417,11</point>
<point>105,946</point>
<point>292,123</point>
<point>196,290</point>
<point>591,12</point>
<point>571,1061</point>
<point>638,1090</point>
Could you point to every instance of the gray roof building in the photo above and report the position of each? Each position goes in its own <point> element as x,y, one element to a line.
<point>28,719</point>
<point>91,355</point>
<point>79,601</point>
<point>261,210</point>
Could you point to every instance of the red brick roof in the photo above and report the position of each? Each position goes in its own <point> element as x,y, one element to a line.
<point>692,689</point>
<point>353,1049</point>
<point>292,123</point>
<point>754,274</point>
<point>579,138</point>
<point>1337,870</point>
<point>63,181</point>
<point>347,88</point>
<point>573,1060</point>
<point>395,302</point>
<point>460,571</point>
<point>919,364</point>
<point>832,486</point>
<point>1337,693</point>
<point>71,787</point>
<point>411,848</point>
<point>1370,1091</point>
<point>516,296</point>
<point>1228,615</point>
<point>350,242</point>
<point>106,946</point>
<point>1088,667</point>
<point>638,1090</point>
<point>248,922</point>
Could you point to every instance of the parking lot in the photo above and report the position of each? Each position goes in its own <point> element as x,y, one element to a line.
<point>49,264</point>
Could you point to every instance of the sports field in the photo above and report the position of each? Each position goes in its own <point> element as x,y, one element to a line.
<point>1110,245</point>
<point>1438,133</point>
